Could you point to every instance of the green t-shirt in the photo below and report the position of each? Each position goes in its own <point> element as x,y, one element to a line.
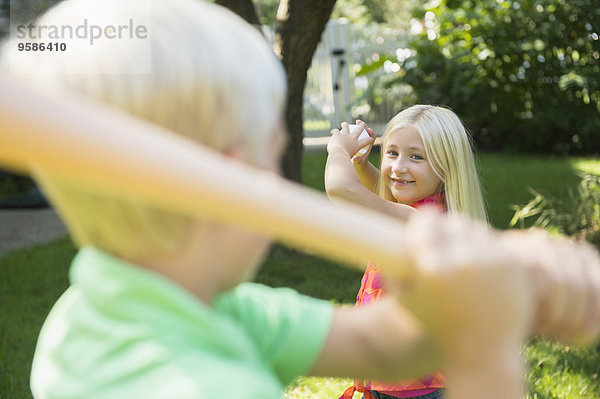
<point>121,331</point>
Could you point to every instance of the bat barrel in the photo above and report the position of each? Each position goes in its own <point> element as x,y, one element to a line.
<point>101,147</point>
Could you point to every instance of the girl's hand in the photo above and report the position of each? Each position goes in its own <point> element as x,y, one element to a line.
<point>360,160</point>
<point>346,142</point>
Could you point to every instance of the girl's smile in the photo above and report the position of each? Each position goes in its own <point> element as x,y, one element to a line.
<point>407,173</point>
<point>401,182</point>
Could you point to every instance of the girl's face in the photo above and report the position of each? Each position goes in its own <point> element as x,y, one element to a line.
<point>405,170</point>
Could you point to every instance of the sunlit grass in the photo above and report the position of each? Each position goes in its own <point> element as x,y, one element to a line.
<point>318,387</point>
<point>562,371</point>
<point>586,165</point>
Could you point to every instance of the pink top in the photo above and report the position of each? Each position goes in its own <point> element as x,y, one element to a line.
<point>371,288</point>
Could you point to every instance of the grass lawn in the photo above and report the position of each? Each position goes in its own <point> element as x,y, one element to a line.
<point>32,279</point>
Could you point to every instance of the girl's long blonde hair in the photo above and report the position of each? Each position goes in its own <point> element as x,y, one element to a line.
<point>449,151</point>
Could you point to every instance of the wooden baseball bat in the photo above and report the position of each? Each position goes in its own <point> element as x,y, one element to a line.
<point>90,143</point>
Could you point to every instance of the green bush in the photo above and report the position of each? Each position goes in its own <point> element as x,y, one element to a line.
<point>524,75</point>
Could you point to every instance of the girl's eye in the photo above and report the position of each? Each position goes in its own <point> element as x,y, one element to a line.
<point>417,157</point>
<point>392,153</point>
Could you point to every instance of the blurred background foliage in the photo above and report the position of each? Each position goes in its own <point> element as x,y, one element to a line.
<point>524,75</point>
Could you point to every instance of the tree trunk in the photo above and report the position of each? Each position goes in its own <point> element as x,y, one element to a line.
<point>299,26</point>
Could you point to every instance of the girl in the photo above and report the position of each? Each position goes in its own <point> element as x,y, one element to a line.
<point>426,159</point>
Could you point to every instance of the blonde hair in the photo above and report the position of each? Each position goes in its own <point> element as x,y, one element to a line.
<point>213,79</point>
<point>449,151</point>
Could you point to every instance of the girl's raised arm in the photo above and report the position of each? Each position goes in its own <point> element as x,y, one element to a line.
<point>342,181</point>
<point>368,174</point>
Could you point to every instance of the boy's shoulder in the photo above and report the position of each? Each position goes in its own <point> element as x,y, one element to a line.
<point>128,319</point>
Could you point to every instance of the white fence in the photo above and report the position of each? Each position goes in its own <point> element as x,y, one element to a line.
<point>330,96</point>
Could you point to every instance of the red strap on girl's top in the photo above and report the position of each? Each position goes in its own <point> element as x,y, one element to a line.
<point>436,200</point>
<point>348,393</point>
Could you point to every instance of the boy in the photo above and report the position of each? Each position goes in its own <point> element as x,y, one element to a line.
<point>158,305</point>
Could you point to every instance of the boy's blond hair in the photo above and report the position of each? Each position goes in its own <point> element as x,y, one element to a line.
<point>213,79</point>
<point>449,151</point>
